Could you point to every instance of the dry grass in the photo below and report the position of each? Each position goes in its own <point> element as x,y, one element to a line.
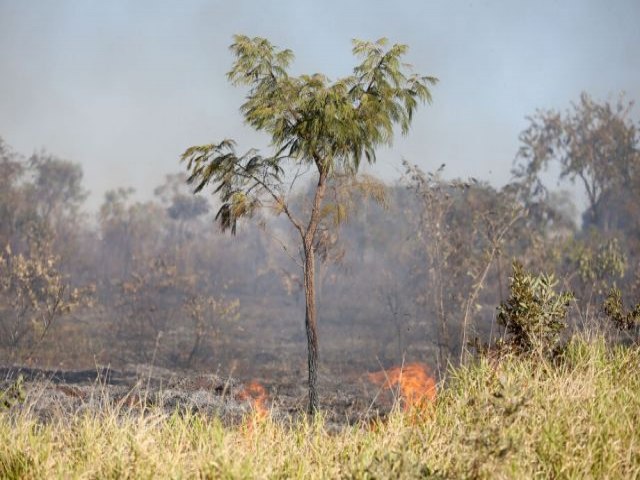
<point>515,419</point>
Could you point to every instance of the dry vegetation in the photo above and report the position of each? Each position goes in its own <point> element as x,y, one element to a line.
<point>518,417</point>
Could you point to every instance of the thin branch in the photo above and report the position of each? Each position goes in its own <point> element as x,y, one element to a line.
<point>280,201</point>
<point>297,176</point>
<point>285,249</point>
<point>478,286</point>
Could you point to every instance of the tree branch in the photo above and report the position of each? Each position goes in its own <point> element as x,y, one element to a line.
<point>280,201</point>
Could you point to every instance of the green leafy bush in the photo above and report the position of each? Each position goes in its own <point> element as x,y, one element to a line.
<point>613,308</point>
<point>534,315</point>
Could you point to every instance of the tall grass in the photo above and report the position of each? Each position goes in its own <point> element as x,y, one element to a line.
<point>517,418</point>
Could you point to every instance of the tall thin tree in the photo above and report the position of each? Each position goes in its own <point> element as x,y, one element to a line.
<point>329,126</point>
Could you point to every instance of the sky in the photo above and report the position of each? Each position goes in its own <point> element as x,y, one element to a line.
<point>124,87</point>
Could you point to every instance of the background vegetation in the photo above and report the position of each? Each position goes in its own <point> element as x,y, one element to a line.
<point>154,282</point>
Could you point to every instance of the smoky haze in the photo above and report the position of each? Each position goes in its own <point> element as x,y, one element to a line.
<point>124,87</point>
<point>108,258</point>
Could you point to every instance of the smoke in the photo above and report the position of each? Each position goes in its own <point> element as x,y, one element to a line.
<point>123,88</point>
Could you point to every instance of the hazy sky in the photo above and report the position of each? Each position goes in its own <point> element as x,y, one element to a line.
<point>123,87</point>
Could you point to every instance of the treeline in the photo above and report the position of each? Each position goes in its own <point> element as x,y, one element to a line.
<point>415,273</point>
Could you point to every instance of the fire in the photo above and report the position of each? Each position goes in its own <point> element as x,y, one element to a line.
<point>255,394</point>
<point>416,386</point>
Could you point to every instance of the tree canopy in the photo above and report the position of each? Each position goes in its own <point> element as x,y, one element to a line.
<point>594,143</point>
<point>310,119</point>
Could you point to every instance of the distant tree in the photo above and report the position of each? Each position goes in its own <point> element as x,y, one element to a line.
<point>11,204</point>
<point>183,210</point>
<point>130,232</point>
<point>591,266</point>
<point>593,143</point>
<point>181,206</point>
<point>54,195</point>
<point>57,191</point>
<point>327,126</point>
<point>40,202</point>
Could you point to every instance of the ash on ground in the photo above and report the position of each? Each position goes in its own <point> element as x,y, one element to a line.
<point>50,394</point>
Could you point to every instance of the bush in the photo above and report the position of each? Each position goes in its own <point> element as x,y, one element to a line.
<point>613,308</point>
<point>534,316</point>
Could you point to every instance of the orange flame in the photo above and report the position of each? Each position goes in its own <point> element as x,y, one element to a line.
<point>255,394</point>
<point>417,387</point>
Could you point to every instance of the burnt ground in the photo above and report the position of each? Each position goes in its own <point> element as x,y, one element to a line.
<point>50,393</point>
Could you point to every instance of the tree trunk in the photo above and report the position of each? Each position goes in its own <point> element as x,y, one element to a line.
<point>311,325</point>
<point>308,241</point>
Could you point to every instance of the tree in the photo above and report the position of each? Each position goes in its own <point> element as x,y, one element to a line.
<point>11,193</point>
<point>323,125</point>
<point>130,232</point>
<point>183,210</point>
<point>57,192</point>
<point>593,143</point>
<point>55,195</point>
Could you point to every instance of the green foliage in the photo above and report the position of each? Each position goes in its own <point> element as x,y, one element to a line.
<point>613,308</point>
<point>597,264</point>
<point>311,120</point>
<point>591,265</point>
<point>310,116</point>
<point>240,180</point>
<point>534,314</point>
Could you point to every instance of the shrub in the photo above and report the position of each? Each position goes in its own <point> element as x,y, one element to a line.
<point>534,315</point>
<point>613,308</point>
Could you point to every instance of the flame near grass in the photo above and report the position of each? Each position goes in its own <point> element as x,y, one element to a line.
<point>257,395</point>
<point>416,386</point>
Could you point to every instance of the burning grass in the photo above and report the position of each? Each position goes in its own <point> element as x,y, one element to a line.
<point>257,396</point>
<point>513,419</point>
<point>412,384</point>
